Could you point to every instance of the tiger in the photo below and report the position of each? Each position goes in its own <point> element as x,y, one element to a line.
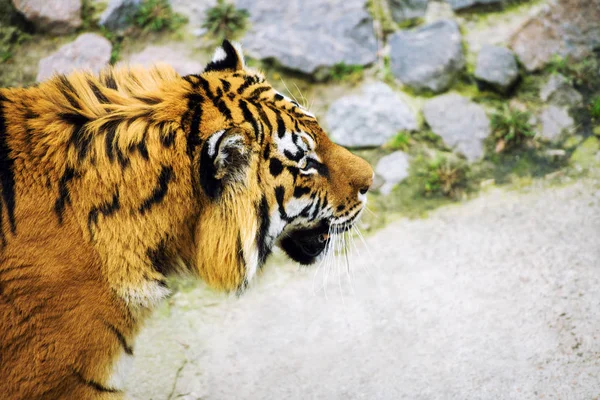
<point>113,182</point>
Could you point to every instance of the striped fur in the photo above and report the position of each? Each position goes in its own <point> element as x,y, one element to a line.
<point>111,183</point>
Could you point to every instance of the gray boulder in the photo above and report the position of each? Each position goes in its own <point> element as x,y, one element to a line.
<point>193,10</point>
<point>370,118</point>
<point>429,57</point>
<point>89,51</point>
<point>462,4</point>
<point>118,13</point>
<point>309,35</point>
<point>554,121</point>
<point>405,10</point>
<point>559,91</point>
<point>52,16</point>
<point>174,54</point>
<point>462,124</point>
<point>497,67</point>
<point>393,169</point>
<point>564,28</point>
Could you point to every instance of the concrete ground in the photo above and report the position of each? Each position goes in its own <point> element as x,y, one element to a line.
<point>498,298</point>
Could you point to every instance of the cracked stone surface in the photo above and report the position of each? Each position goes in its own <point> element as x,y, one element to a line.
<point>494,299</point>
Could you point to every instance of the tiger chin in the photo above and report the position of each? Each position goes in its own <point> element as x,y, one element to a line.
<point>111,183</point>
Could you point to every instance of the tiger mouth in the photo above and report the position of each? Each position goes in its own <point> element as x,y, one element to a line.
<point>304,245</point>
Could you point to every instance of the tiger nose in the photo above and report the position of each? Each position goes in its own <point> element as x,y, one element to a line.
<point>365,185</point>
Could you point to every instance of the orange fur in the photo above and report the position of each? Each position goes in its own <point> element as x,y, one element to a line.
<point>103,196</point>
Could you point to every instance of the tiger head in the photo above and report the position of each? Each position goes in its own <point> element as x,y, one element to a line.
<point>268,174</point>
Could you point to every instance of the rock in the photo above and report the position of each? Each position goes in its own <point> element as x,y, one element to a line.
<point>587,155</point>
<point>554,121</point>
<point>429,57</point>
<point>558,91</point>
<point>118,13</point>
<point>406,10</point>
<point>308,35</point>
<point>393,168</point>
<point>174,54</point>
<point>370,118</point>
<point>565,28</point>
<point>462,4</point>
<point>52,16</point>
<point>193,10</point>
<point>462,124</point>
<point>89,51</point>
<point>497,67</point>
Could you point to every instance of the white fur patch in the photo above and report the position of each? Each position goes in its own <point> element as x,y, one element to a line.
<point>148,294</point>
<point>219,55</point>
<point>212,142</point>
<point>120,372</point>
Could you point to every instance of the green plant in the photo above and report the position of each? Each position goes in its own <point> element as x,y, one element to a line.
<point>443,174</point>
<point>344,72</point>
<point>511,127</point>
<point>223,21</point>
<point>117,43</point>
<point>595,108</point>
<point>399,142</point>
<point>156,16</point>
<point>10,36</point>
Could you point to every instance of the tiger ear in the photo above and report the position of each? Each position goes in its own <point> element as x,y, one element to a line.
<point>224,161</point>
<point>228,57</point>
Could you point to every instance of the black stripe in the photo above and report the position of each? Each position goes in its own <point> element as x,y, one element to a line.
<point>280,195</point>
<point>275,166</point>
<point>193,136</point>
<point>220,104</point>
<point>68,90</point>
<point>277,97</point>
<point>226,85</point>
<point>159,258</point>
<point>249,81</point>
<point>80,138</point>
<point>64,197</point>
<point>92,384</point>
<point>262,212</point>
<point>160,191</point>
<point>294,157</point>
<point>267,152</point>
<point>142,148</point>
<point>97,92</point>
<point>106,209</point>
<point>316,210</point>
<point>207,170</point>
<point>109,80</point>
<point>167,135</point>
<point>257,92</point>
<point>7,177</point>
<point>280,126</point>
<point>248,116</point>
<point>206,87</point>
<point>120,337</point>
<point>294,171</point>
<point>110,131</point>
<point>264,117</point>
<point>300,191</point>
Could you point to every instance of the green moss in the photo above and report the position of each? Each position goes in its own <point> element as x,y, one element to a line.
<point>441,174</point>
<point>585,156</point>
<point>344,72</point>
<point>401,141</point>
<point>225,21</point>
<point>157,16</point>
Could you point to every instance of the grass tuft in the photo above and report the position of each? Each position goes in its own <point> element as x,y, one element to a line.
<point>511,128</point>
<point>224,20</point>
<point>157,16</point>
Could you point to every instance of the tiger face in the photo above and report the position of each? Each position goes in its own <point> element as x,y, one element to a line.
<point>269,155</point>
